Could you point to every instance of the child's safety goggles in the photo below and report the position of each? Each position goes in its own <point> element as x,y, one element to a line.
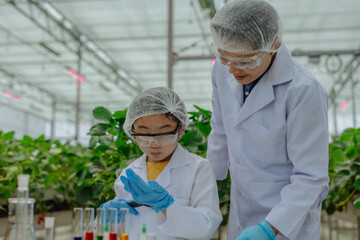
<point>240,63</point>
<point>161,139</point>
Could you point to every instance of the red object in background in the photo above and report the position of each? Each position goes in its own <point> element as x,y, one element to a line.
<point>76,75</point>
<point>112,236</point>
<point>89,236</point>
<point>11,95</point>
<point>213,60</point>
<point>344,104</point>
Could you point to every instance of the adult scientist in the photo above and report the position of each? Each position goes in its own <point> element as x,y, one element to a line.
<point>269,127</point>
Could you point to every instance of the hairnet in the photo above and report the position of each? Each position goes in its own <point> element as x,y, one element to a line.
<point>247,26</point>
<point>160,100</point>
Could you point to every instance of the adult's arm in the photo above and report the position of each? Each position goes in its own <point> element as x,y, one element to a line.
<point>217,151</point>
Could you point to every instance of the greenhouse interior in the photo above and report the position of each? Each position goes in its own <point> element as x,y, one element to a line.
<point>71,69</point>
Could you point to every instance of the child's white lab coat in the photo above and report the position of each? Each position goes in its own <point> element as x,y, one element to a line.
<point>195,213</point>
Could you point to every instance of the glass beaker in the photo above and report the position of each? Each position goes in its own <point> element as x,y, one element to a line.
<point>15,223</point>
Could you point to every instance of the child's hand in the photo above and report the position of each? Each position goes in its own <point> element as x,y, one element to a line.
<point>153,194</point>
<point>117,203</point>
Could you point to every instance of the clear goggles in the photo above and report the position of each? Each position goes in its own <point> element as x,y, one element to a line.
<point>161,139</point>
<point>240,63</point>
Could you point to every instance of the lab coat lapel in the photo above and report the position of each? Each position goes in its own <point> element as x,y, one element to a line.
<point>178,159</point>
<point>236,89</point>
<point>140,169</point>
<point>263,93</point>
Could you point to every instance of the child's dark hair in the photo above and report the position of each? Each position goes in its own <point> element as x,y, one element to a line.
<point>172,117</point>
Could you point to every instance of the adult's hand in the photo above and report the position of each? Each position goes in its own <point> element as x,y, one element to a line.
<point>261,231</point>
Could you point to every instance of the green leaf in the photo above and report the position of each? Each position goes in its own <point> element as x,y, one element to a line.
<point>351,151</point>
<point>338,155</point>
<point>98,187</point>
<point>8,136</point>
<point>93,141</point>
<point>206,113</point>
<point>357,203</point>
<point>82,176</point>
<point>105,140</point>
<point>26,140</point>
<point>357,184</point>
<point>346,137</point>
<point>102,113</point>
<point>120,114</point>
<point>83,194</point>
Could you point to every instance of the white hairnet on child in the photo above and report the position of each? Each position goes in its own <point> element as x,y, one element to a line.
<point>247,26</point>
<point>159,100</point>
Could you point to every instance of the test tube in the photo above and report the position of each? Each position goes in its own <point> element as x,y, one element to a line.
<point>113,223</point>
<point>89,223</point>
<point>100,223</point>
<point>49,228</point>
<point>123,215</point>
<point>124,236</point>
<point>78,223</point>
<point>150,236</point>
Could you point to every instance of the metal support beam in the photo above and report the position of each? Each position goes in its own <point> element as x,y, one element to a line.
<point>27,88</point>
<point>78,93</point>
<point>345,77</point>
<point>170,45</point>
<point>353,103</point>
<point>53,119</point>
<point>52,21</point>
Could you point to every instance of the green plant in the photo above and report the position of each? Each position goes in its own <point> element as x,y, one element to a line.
<point>344,172</point>
<point>63,175</point>
<point>49,164</point>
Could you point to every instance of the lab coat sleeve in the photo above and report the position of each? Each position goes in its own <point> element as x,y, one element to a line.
<point>307,147</point>
<point>217,151</point>
<point>201,216</point>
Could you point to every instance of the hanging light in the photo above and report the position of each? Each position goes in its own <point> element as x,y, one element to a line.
<point>76,75</point>
<point>344,104</point>
<point>11,95</point>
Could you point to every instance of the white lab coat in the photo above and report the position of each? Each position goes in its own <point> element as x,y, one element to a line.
<point>275,146</point>
<point>195,213</point>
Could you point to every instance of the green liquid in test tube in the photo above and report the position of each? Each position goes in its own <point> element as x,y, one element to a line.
<point>100,223</point>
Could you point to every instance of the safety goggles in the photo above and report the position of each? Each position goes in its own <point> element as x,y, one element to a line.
<point>240,63</point>
<point>161,139</point>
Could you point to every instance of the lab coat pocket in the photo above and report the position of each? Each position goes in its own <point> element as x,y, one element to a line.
<point>268,145</point>
<point>266,195</point>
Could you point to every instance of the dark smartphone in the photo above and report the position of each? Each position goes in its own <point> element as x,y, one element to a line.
<point>135,204</point>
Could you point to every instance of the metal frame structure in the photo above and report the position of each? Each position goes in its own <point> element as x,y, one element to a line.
<point>63,31</point>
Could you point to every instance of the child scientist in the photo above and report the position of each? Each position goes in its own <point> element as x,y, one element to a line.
<point>178,187</point>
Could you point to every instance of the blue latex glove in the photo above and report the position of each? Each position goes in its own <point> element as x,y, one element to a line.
<point>262,231</point>
<point>117,203</point>
<point>153,194</point>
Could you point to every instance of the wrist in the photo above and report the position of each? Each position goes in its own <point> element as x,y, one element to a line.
<point>273,228</point>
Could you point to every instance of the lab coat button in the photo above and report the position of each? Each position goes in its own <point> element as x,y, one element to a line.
<point>239,193</point>
<point>239,127</point>
<point>244,224</point>
<point>237,161</point>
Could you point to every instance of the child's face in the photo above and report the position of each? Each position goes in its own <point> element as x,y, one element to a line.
<point>157,148</point>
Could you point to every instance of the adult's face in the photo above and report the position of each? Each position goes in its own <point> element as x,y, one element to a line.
<point>247,75</point>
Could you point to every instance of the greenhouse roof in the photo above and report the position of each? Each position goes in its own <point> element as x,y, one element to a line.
<point>124,49</point>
